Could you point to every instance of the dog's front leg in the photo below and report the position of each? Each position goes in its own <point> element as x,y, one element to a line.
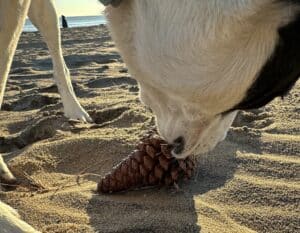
<point>12,18</point>
<point>43,15</point>
<point>6,177</point>
<point>10,221</point>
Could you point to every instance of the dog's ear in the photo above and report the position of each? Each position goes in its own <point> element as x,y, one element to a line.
<point>281,71</point>
<point>114,3</point>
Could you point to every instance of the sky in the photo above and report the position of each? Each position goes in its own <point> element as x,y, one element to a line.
<point>78,7</point>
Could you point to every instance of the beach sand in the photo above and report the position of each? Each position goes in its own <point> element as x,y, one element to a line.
<point>249,183</point>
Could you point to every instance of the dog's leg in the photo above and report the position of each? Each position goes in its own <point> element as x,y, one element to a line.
<point>12,18</point>
<point>10,220</point>
<point>43,15</point>
<point>6,177</point>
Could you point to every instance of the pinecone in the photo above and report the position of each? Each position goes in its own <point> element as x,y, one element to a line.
<point>150,164</point>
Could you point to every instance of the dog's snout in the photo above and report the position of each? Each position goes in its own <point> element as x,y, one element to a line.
<point>178,145</point>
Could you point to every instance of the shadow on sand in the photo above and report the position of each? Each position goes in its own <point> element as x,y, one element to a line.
<point>164,210</point>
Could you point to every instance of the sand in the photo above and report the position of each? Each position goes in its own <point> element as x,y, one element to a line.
<point>249,183</point>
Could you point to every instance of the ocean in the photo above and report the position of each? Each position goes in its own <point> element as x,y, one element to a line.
<point>73,21</point>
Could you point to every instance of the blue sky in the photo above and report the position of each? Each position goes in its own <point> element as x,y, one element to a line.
<point>78,7</point>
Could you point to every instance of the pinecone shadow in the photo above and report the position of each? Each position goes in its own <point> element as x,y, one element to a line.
<point>164,210</point>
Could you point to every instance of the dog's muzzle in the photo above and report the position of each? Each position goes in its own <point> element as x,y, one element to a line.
<point>178,145</point>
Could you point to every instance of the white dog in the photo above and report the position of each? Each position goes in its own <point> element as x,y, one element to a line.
<point>43,15</point>
<point>197,61</point>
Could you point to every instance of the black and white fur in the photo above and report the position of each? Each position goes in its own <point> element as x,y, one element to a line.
<point>281,70</point>
<point>197,61</point>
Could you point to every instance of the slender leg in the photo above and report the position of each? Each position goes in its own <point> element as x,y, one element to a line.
<point>5,175</point>
<point>12,18</point>
<point>43,15</point>
<point>10,221</point>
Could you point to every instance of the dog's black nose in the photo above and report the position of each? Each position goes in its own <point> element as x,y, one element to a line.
<point>178,145</point>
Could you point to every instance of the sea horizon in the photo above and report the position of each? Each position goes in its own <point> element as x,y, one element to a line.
<point>73,21</point>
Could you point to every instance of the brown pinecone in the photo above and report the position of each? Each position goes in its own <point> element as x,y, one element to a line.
<point>149,165</point>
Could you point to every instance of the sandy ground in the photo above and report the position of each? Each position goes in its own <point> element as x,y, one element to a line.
<point>249,183</point>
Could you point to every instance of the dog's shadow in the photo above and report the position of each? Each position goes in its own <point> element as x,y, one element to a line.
<point>165,210</point>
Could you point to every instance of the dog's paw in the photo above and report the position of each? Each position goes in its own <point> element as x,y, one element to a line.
<point>6,177</point>
<point>77,113</point>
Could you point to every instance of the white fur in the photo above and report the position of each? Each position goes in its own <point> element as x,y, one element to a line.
<point>43,15</point>
<point>10,221</point>
<point>4,171</point>
<point>195,59</point>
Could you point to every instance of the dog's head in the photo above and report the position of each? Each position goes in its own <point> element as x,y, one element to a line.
<point>186,125</point>
<point>197,62</point>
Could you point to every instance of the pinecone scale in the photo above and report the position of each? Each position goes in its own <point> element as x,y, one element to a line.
<point>151,164</point>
